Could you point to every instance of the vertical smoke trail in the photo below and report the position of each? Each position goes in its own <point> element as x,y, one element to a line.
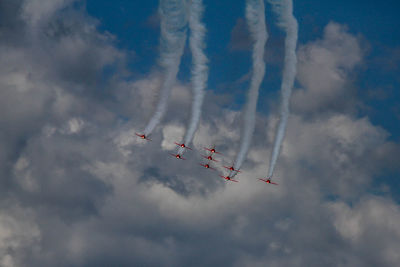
<point>199,70</point>
<point>255,16</point>
<point>288,23</point>
<point>172,42</point>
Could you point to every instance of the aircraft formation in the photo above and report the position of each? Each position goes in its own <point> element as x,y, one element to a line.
<point>181,21</point>
<point>211,151</point>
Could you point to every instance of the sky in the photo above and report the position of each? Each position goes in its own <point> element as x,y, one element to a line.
<point>78,188</point>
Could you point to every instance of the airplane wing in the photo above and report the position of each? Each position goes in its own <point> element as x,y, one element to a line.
<point>210,149</point>
<point>229,168</point>
<point>208,167</point>
<point>266,181</point>
<point>180,145</point>
<point>176,157</point>
<point>208,159</point>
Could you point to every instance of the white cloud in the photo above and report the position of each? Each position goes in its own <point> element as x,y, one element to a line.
<point>74,126</point>
<point>18,233</point>
<point>340,151</point>
<point>24,175</point>
<point>324,69</point>
<point>172,133</point>
<point>35,11</point>
<point>371,226</point>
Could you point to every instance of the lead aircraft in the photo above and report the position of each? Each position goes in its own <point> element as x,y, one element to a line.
<point>267,180</point>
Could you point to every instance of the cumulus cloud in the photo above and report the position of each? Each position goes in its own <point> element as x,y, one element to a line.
<point>19,235</point>
<point>172,133</point>
<point>340,151</point>
<point>36,11</point>
<point>325,70</point>
<point>372,220</point>
<point>94,195</point>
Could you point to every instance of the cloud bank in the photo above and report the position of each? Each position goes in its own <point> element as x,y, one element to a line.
<point>77,190</point>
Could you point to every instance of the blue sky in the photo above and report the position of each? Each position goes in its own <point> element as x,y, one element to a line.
<point>375,23</point>
<point>136,29</point>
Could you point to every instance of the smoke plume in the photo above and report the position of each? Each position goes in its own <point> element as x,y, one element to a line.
<point>199,70</point>
<point>255,16</point>
<point>288,23</point>
<point>172,42</point>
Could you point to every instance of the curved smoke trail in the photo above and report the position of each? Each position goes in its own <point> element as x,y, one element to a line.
<point>172,42</point>
<point>200,69</point>
<point>255,16</point>
<point>288,23</point>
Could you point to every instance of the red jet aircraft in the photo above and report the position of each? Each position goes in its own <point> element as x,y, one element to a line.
<point>178,156</point>
<point>182,145</point>
<point>229,178</point>
<point>207,166</point>
<point>268,180</point>
<point>143,136</point>
<point>231,168</point>
<point>209,158</point>
<point>212,150</point>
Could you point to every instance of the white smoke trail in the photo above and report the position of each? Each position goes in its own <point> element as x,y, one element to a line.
<point>287,21</point>
<point>255,16</point>
<point>172,42</point>
<point>199,70</point>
